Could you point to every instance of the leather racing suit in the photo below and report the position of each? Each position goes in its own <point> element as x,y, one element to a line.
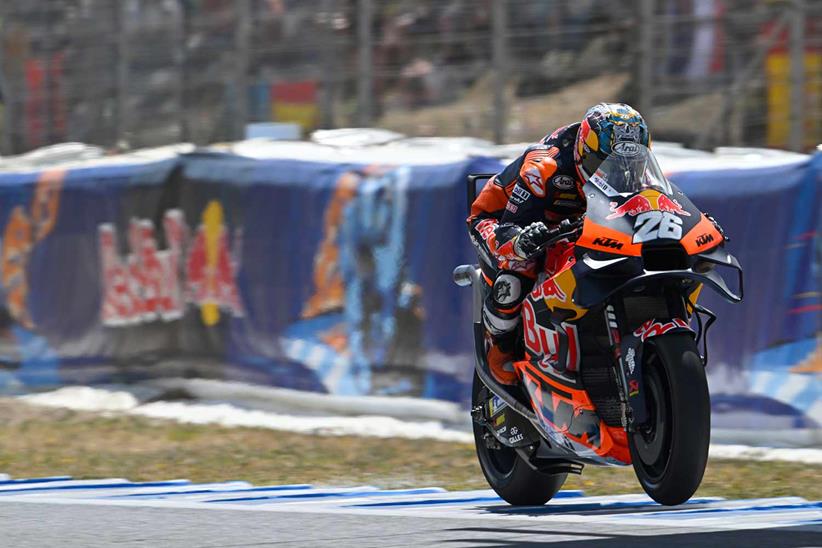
<point>540,185</point>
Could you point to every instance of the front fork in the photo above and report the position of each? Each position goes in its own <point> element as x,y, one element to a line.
<point>627,350</point>
<point>627,363</point>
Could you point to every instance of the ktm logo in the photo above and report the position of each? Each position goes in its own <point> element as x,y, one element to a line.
<point>607,242</point>
<point>704,239</point>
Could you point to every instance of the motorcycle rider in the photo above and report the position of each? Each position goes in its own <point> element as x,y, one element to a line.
<point>514,214</point>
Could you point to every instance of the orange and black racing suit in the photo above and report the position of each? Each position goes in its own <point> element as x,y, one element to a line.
<point>541,185</point>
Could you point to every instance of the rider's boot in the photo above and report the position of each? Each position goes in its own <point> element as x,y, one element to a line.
<point>501,359</point>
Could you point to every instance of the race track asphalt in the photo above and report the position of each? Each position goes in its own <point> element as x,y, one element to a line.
<point>92,513</point>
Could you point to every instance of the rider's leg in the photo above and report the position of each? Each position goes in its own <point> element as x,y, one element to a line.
<point>507,287</point>
<point>501,317</point>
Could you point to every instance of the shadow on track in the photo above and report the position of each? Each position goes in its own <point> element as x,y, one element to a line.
<point>805,536</point>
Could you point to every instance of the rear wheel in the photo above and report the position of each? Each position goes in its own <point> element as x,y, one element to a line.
<point>671,450</point>
<point>507,473</point>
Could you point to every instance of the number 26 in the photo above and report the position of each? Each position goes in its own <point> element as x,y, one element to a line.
<point>653,225</point>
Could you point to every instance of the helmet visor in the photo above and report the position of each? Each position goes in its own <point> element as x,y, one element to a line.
<point>630,168</point>
<point>590,163</point>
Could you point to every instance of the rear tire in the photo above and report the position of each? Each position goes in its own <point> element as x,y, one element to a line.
<point>670,454</point>
<point>507,474</point>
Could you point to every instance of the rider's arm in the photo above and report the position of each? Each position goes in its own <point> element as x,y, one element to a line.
<point>528,199</point>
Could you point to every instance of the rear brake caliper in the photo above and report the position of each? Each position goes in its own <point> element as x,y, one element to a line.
<point>478,415</point>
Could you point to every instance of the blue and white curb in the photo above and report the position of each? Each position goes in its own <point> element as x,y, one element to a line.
<point>433,502</point>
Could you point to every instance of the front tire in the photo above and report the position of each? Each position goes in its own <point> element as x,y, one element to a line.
<point>670,453</point>
<point>507,474</point>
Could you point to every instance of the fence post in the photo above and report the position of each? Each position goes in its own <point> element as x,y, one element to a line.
<point>499,64</point>
<point>242,57</point>
<point>179,56</point>
<point>328,79</point>
<point>123,60</point>
<point>5,94</point>
<point>47,45</point>
<point>646,58</point>
<point>365,46</point>
<point>5,101</point>
<point>797,53</point>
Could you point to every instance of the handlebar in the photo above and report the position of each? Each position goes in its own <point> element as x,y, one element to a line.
<point>565,229</point>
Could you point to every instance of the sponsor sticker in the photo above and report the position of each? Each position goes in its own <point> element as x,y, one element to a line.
<point>486,228</point>
<point>495,405</point>
<point>604,241</point>
<point>704,239</point>
<point>598,180</point>
<point>632,206</point>
<point>627,148</point>
<point>519,195</point>
<point>549,289</point>
<point>653,328</point>
<point>534,179</point>
<point>563,182</point>
<point>566,203</point>
<point>670,205</point>
<point>630,359</point>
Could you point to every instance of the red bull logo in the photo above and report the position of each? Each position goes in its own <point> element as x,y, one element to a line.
<point>550,289</point>
<point>648,200</point>
<point>212,268</point>
<point>653,328</point>
<point>633,207</point>
<point>670,205</point>
<point>150,283</point>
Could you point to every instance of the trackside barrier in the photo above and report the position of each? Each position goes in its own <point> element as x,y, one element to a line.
<point>336,277</point>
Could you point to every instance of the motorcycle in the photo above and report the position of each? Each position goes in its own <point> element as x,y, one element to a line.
<point>611,370</point>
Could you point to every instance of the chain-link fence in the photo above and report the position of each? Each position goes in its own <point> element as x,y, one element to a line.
<point>139,73</point>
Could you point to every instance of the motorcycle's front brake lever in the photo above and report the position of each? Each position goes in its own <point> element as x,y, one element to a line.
<point>552,240</point>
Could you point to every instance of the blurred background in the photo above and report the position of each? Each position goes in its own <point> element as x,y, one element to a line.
<point>141,73</point>
<point>259,204</point>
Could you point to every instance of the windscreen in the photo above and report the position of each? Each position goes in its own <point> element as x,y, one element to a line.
<point>630,168</point>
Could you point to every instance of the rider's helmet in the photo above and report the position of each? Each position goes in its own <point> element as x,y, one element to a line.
<point>605,126</point>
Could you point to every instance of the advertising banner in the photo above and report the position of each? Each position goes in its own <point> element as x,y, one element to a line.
<point>336,278</point>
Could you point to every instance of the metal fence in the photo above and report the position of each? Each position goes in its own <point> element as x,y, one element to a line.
<point>137,73</point>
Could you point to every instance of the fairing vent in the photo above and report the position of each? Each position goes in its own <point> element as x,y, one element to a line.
<point>598,375</point>
<point>599,380</point>
<point>640,308</point>
<point>670,256</point>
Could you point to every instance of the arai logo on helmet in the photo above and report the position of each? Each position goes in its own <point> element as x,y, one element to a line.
<point>626,148</point>
<point>563,182</point>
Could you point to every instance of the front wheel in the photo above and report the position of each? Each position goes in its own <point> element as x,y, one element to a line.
<point>507,474</point>
<point>670,451</point>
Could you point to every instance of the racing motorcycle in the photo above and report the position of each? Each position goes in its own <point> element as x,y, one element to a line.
<point>611,369</point>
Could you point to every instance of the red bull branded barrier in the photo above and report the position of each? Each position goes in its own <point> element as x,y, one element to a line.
<point>335,278</point>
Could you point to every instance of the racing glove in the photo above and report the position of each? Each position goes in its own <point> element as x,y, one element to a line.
<point>717,225</point>
<point>532,238</point>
